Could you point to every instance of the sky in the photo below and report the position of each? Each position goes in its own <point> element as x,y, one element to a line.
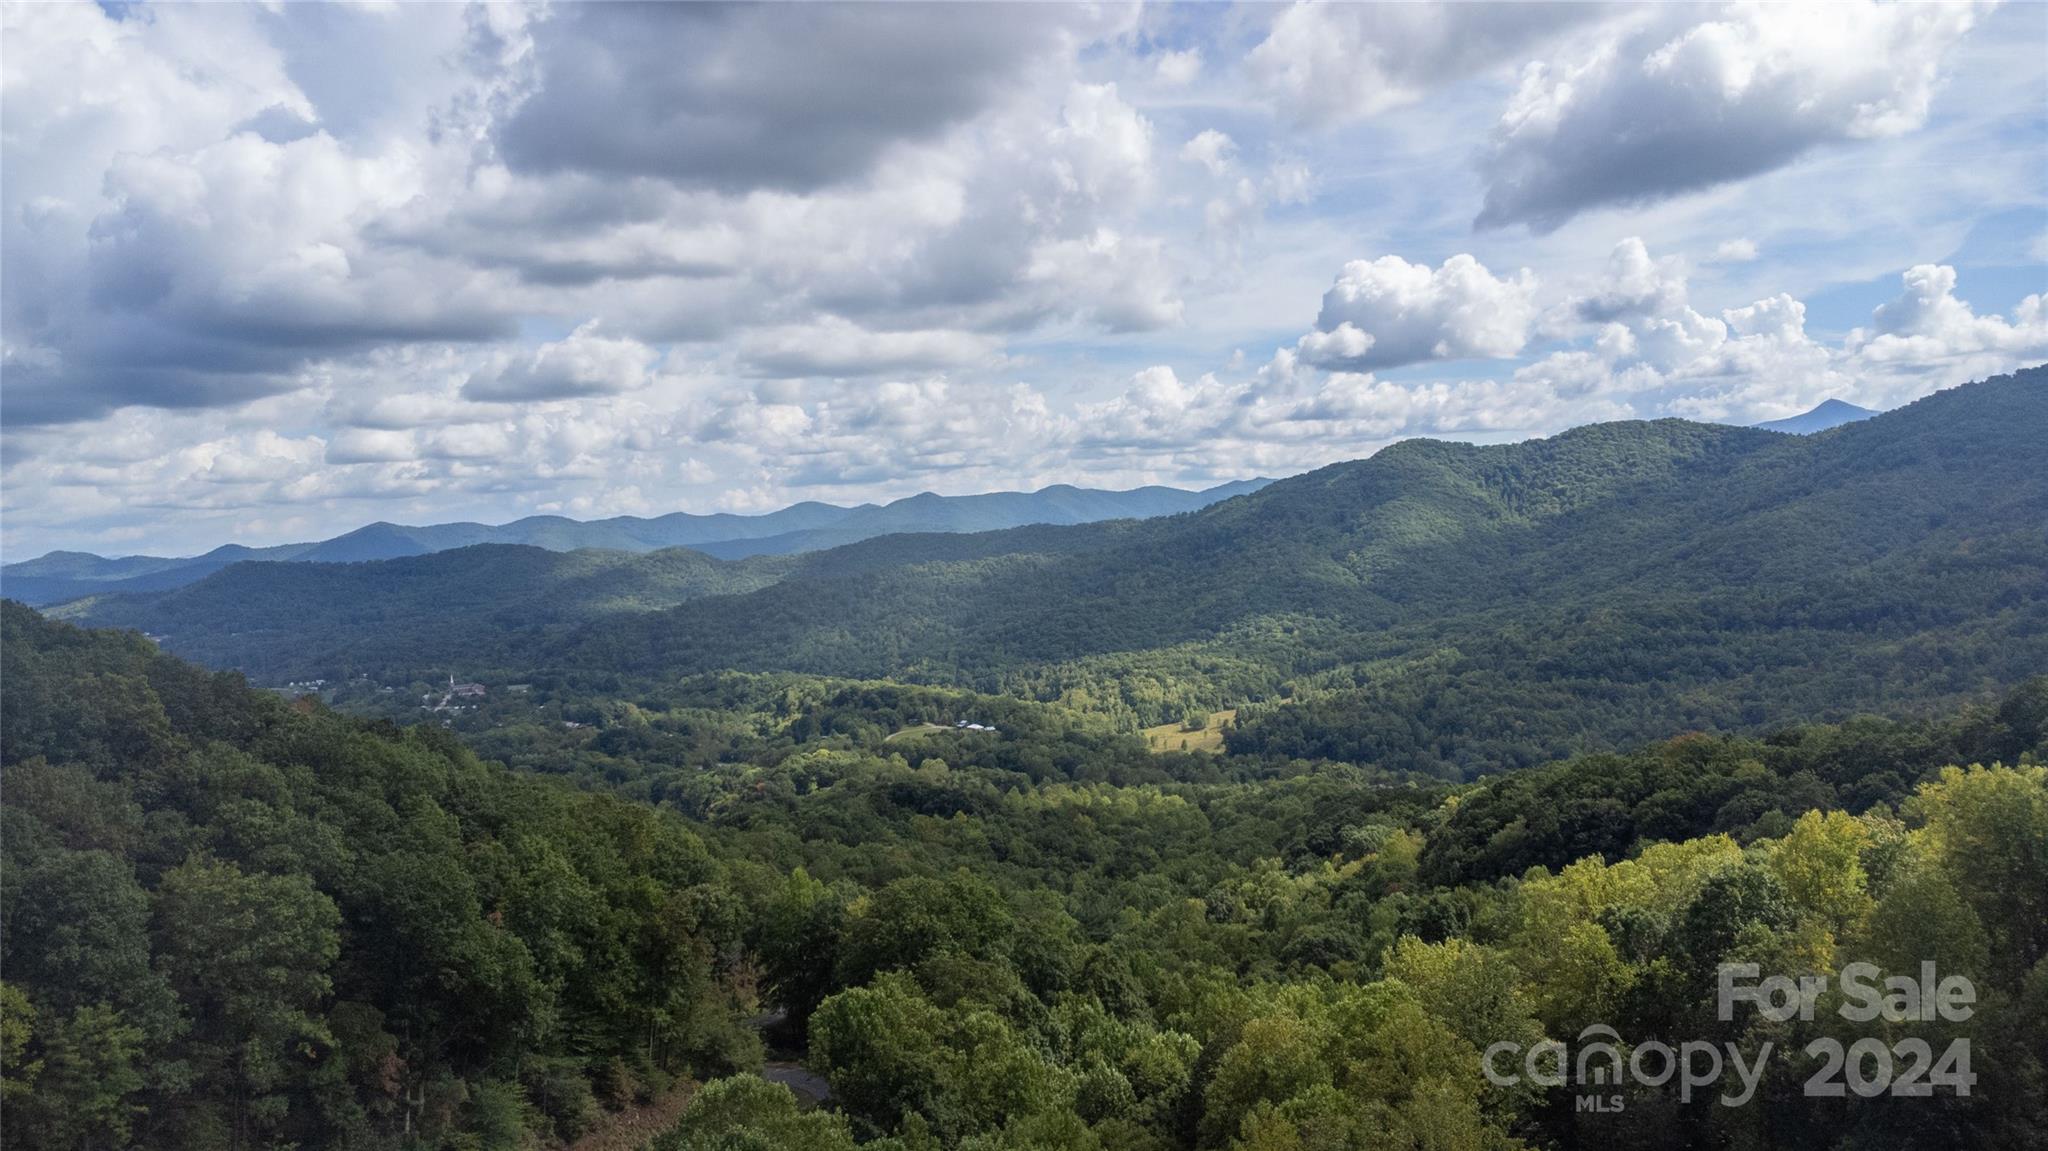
<point>268,273</point>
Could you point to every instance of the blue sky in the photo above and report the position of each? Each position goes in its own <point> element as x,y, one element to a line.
<point>274,272</point>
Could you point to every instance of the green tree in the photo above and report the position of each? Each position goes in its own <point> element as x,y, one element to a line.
<point>1275,1058</point>
<point>17,1028</point>
<point>747,1113</point>
<point>877,1045</point>
<point>80,936</point>
<point>89,1092</point>
<point>249,956</point>
<point>798,943</point>
<point>1988,829</point>
<point>913,919</point>
<point>1820,862</point>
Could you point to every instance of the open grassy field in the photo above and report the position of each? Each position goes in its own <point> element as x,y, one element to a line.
<point>910,732</point>
<point>1173,737</point>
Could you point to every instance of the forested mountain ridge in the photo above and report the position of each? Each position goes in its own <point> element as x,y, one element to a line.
<point>804,527</point>
<point>473,602</point>
<point>1437,606</point>
<point>451,605</point>
<point>236,921</point>
<point>486,605</point>
<point>1587,590</point>
<point>1352,545</point>
<point>1060,504</point>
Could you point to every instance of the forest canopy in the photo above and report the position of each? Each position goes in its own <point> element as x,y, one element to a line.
<point>236,919</point>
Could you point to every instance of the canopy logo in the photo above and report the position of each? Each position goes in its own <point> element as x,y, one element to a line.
<point>1867,1067</point>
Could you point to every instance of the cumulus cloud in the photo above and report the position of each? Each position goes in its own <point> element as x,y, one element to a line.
<point>1211,149</point>
<point>1386,312</point>
<point>1634,285</point>
<point>1287,417</point>
<point>1327,63</point>
<point>1179,68</point>
<point>1652,112</point>
<point>1737,251</point>
<point>1237,199</point>
<point>1122,282</point>
<point>1926,328</point>
<point>739,97</point>
<point>1641,338</point>
<point>838,436</point>
<point>233,217</point>
<point>1642,343</point>
<point>1158,409</point>
<point>370,446</point>
<point>1102,146</point>
<point>832,346</point>
<point>246,295</point>
<point>1629,344</point>
<point>159,252</point>
<point>585,363</point>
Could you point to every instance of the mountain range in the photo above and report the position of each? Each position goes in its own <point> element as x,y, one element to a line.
<point>67,575</point>
<point>1446,606</point>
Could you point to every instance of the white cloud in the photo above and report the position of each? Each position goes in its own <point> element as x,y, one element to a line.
<point>248,296</point>
<point>1737,251</point>
<point>1653,111</point>
<point>1386,312</point>
<point>1123,283</point>
<point>840,437</point>
<point>157,253</point>
<point>1157,410</point>
<point>1758,361</point>
<point>1102,147</point>
<point>832,346</point>
<point>1179,68</point>
<point>1926,329</point>
<point>1634,285</point>
<point>1328,63</point>
<point>1211,149</point>
<point>583,364</point>
<point>370,445</point>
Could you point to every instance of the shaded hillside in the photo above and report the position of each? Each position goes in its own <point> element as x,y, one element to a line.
<point>411,618</point>
<point>234,920</point>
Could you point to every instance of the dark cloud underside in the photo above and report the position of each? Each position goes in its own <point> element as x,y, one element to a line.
<point>793,97</point>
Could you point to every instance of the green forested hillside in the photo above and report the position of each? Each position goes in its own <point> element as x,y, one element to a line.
<point>1453,609</point>
<point>1437,607</point>
<point>426,615</point>
<point>232,920</point>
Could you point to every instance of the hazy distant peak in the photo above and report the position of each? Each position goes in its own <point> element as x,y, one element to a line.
<point>1829,414</point>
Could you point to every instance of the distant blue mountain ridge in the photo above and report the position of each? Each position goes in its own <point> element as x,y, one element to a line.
<point>67,575</point>
<point>1830,414</point>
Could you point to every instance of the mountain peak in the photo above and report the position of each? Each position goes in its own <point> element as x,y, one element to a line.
<point>1830,413</point>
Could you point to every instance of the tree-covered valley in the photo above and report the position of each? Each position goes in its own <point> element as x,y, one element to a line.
<point>1392,575</point>
<point>864,847</point>
<point>1437,607</point>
